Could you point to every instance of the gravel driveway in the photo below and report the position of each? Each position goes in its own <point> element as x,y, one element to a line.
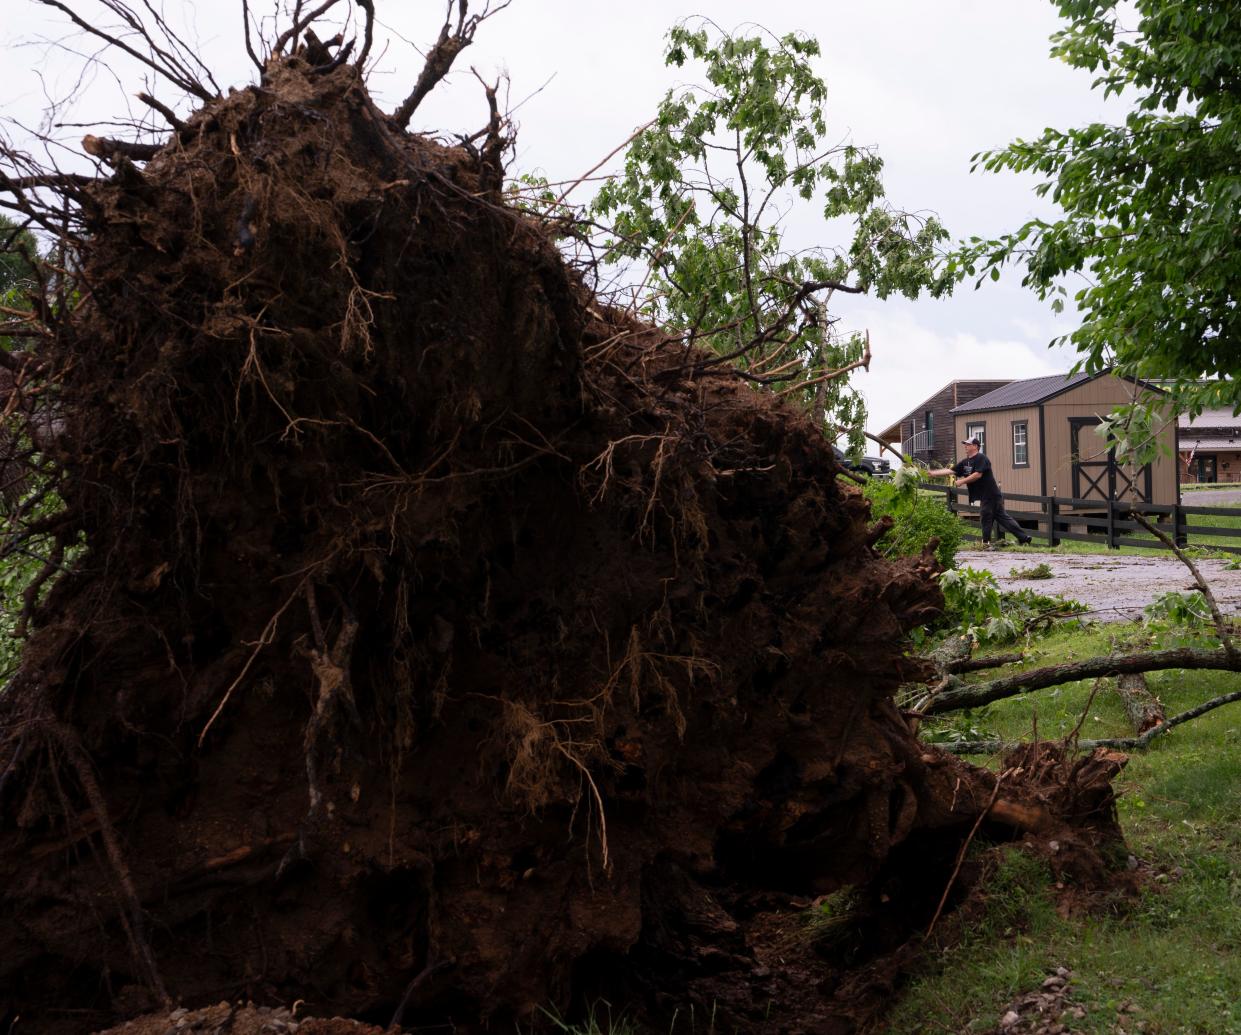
<point>1212,497</point>
<point>1115,588</point>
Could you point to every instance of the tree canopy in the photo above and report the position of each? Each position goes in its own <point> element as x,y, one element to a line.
<point>1150,205</point>
<point>701,206</point>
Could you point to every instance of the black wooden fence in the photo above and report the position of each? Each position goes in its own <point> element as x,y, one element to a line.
<point>1105,522</point>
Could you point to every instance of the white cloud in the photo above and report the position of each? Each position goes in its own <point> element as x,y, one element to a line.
<point>912,362</point>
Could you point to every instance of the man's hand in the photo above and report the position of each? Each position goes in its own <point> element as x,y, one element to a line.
<point>961,482</point>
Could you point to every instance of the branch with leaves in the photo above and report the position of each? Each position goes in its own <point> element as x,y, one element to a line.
<point>1148,205</point>
<point>696,216</point>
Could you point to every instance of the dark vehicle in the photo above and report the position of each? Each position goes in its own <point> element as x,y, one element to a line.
<point>867,466</point>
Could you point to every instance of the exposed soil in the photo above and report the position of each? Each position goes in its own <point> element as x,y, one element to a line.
<point>445,646</point>
<point>227,1018</point>
<point>1114,588</point>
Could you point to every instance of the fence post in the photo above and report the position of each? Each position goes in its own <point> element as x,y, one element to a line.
<point>1053,510</point>
<point>1179,533</point>
<point>952,500</point>
<point>1111,525</point>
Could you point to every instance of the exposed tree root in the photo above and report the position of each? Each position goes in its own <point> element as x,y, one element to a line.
<point>577,646</point>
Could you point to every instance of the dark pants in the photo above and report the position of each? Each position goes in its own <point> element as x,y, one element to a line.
<point>993,512</point>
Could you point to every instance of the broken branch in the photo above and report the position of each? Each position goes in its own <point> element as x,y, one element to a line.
<point>177,76</point>
<point>170,116</point>
<point>369,7</point>
<point>1221,625</point>
<point>1141,706</point>
<point>299,24</point>
<point>439,61</point>
<point>976,694</point>
<point>108,150</point>
<point>990,747</point>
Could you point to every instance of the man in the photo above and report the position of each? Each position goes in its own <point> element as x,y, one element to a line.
<point>974,474</point>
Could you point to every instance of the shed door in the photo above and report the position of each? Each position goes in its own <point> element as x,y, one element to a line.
<point>1096,475</point>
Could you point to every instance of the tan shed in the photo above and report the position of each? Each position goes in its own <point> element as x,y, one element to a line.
<point>1039,435</point>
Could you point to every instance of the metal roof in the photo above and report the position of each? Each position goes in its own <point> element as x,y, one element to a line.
<point>892,433</point>
<point>1210,419</point>
<point>1024,393</point>
<point>1209,443</point>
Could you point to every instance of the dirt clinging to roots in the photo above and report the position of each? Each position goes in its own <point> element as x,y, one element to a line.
<point>445,646</point>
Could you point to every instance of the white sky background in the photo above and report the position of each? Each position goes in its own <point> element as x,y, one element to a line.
<point>929,82</point>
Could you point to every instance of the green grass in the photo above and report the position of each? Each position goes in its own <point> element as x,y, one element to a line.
<point>602,1021</point>
<point>1176,951</point>
<point>1206,544</point>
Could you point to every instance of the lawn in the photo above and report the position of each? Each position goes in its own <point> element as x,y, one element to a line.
<point>1208,544</point>
<point>1172,957</point>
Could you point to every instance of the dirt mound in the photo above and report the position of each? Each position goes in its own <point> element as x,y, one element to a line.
<point>440,646</point>
<point>240,1019</point>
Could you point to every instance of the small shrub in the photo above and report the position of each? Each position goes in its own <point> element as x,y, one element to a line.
<point>917,519</point>
<point>1038,571</point>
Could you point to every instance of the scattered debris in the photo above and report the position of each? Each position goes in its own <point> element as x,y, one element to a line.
<point>1049,1010</point>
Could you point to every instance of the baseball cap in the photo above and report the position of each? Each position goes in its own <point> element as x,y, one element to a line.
<point>975,441</point>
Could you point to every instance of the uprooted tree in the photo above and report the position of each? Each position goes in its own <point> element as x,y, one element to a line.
<point>418,636</point>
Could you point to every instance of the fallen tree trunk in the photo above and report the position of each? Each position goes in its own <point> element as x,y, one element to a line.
<point>973,695</point>
<point>1143,708</point>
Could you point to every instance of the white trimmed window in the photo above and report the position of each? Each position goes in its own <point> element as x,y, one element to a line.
<point>1021,444</point>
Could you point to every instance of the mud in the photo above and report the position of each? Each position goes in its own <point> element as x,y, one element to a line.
<point>442,647</point>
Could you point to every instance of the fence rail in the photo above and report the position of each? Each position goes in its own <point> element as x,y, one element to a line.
<point>1106,522</point>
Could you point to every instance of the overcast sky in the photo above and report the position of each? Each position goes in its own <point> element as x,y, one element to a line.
<point>928,82</point>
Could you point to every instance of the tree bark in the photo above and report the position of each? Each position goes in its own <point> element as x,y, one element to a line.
<point>1141,706</point>
<point>976,694</point>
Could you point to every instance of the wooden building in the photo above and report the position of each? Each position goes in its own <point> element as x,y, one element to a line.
<point>1040,437</point>
<point>925,432</point>
<point>1210,447</point>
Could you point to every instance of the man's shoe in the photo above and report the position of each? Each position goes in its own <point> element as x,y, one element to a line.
<point>988,547</point>
<point>1026,541</point>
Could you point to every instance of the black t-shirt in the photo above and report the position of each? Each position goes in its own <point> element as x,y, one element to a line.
<point>985,487</point>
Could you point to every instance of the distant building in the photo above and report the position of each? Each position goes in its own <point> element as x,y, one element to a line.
<point>925,432</point>
<point>1039,436</point>
<point>1210,447</point>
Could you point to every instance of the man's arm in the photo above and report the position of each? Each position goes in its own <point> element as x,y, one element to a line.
<point>941,472</point>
